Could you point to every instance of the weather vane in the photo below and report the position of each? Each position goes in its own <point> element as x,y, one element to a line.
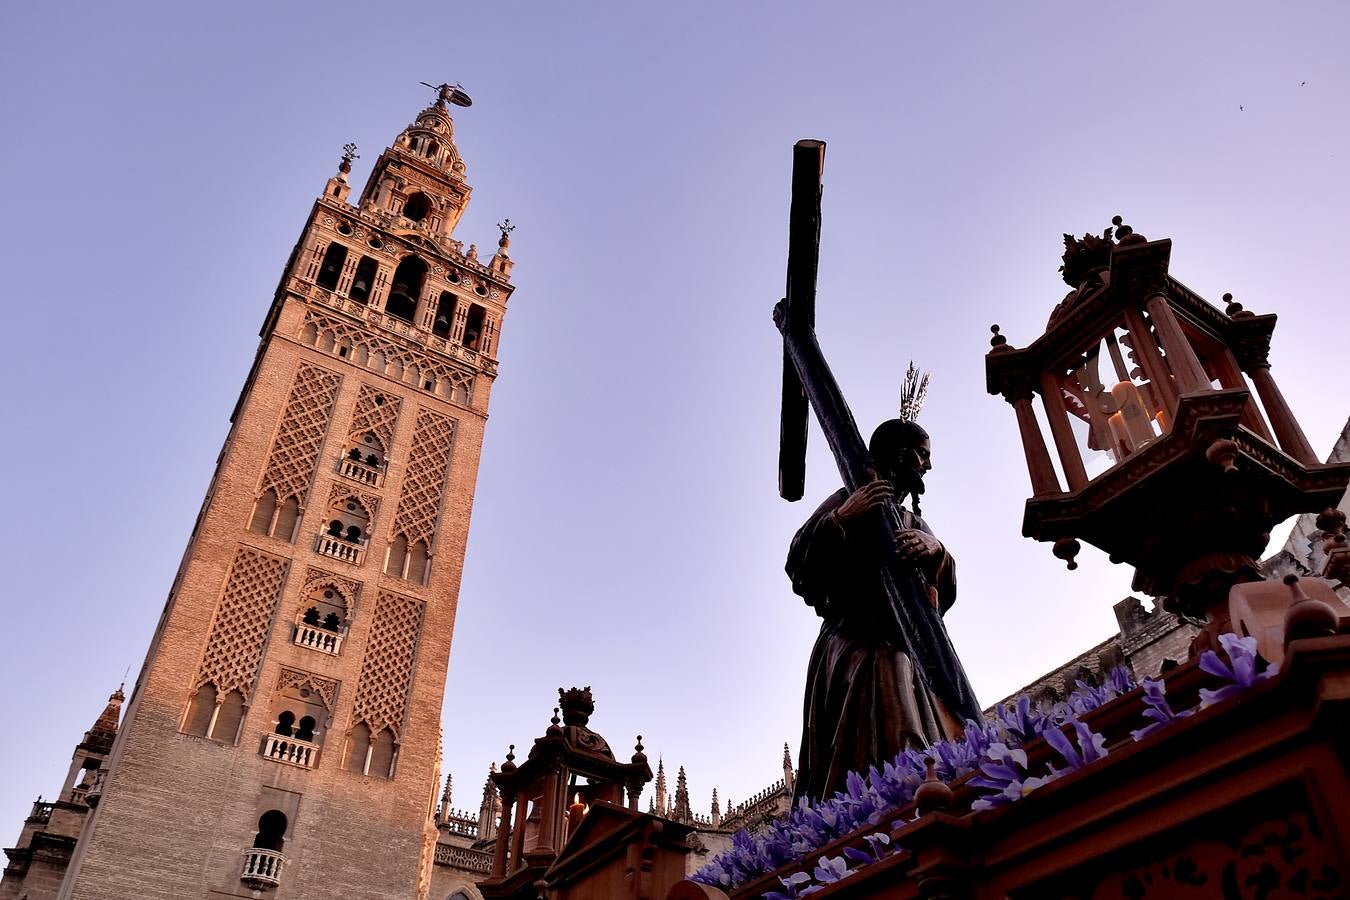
<point>505,227</point>
<point>349,152</point>
<point>450,93</point>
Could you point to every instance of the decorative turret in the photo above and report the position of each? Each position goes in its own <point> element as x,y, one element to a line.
<point>660,789</point>
<point>547,797</point>
<point>716,817</point>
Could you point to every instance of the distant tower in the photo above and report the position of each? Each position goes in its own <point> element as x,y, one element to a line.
<point>39,858</point>
<point>286,718</point>
<point>681,811</point>
<point>660,790</point>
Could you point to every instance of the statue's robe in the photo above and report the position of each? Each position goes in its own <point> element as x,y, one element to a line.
<point>864,703</point>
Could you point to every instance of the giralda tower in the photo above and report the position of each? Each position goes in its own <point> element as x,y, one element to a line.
<point>283,734</point>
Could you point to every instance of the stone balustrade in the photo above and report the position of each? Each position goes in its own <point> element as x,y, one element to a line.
<point>357,470</point>
<point>262,868</point>
<point>292,751</point>
<point>314,637</point>
<point>340,548</point>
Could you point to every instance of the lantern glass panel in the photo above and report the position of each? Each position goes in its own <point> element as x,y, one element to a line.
<point>1113,408</point>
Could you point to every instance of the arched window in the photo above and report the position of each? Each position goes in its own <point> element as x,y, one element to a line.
<point>201,709</point>
<point>349,521</point>
<point>382,755</point>
<point>331,267</point>
<point>408,279</point>
<point>286,519</point>
<point>445,314</point>
<point>325,608</point>
<point>264,509</point>
<point>363,280</point>
<point>305,730</point>
<point>231,713</point>
<point>473,328</point>
<point>417,207</point>
<point>358,749</point>
<point>417,562</point>
<point>398,555</point>
<point>367,449</point>
<point>271,831</point>
<point>285,723</point>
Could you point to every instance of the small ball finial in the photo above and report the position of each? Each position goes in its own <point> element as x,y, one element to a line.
<point>932,794</point>
<point>998,341</point>
<point>1067,549</point>
<point>1234,309</point>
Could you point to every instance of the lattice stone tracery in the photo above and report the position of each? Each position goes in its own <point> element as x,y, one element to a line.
<point>378,418</point>
<point>234,649</point>
<point>386,670</point>
<point>326,688</point>
<point>419,501</point>
<point>370,503</point>
<point>346,588</point>
<point>295,449</point>
<point>400,363</point>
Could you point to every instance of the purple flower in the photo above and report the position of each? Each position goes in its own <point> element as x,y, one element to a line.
<point>1091,746</point>
<point>1003,772</point>
<point>1023,723</point>
<point>1121,680</point>
<point>1159,711</point>
<point>831,870</point>
<point>1241,674</point>
<point>792,882</point>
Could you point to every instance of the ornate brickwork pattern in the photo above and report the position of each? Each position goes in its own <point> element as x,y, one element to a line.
<point>234,649</point>
<point>369,502</point>
<point>386,670</point>
<point>419,502</point>
<point>348,588</point>
<point>295,450</point>
<point>400,363</point>
<point>377,418</point>
<point>326,688</point>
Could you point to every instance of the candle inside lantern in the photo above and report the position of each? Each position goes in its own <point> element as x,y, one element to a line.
<point>1131,409</point>
<point>575,813</point>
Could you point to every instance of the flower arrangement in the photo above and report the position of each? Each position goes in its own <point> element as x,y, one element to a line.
<point>991,752</point>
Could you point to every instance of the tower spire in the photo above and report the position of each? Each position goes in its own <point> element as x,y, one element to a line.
<point>682,812</point>
<point>660,786</point>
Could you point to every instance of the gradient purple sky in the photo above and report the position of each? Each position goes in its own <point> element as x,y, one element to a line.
<point>627,533</point>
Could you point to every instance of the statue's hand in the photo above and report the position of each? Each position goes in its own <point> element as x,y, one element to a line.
<point>913,544</point>
<point>864,499</point>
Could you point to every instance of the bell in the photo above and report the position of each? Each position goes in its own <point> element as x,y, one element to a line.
<point>360,285</point>
<point>442,322</point>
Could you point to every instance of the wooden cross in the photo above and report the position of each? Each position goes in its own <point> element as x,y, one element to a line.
<point>807,380</point>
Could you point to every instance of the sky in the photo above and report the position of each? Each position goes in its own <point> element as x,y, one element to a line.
<point>627,533</point>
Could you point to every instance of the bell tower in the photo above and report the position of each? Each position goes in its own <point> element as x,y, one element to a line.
<point>283,733</point>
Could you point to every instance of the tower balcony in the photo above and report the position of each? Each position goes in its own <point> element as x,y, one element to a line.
<point>291,751</point>
<point>360,471</point>
<point>353,552</point>
<point>262,868</point>
<point>316,637</point>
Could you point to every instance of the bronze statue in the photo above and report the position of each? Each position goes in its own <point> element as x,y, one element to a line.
<point>864,702</point>
<point>889,570</point>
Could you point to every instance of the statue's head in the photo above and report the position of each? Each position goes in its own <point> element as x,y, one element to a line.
<point>902,455</point>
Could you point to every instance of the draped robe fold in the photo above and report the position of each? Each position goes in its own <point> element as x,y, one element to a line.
<point>864,702</point>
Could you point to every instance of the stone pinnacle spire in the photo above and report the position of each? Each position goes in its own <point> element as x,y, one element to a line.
<point>660,786</point>
<point>682,812</point>
<point>101,736</point>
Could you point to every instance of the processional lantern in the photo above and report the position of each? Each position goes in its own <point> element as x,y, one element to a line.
<point>1168,460</point>
<point>546,798</point>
